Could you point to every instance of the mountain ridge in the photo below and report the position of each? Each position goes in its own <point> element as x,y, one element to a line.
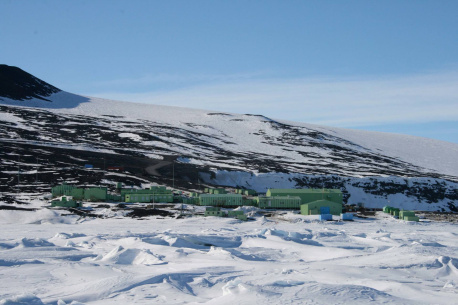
<point>17,84</point>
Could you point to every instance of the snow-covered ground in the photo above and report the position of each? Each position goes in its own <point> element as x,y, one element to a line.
<point>46,258</point>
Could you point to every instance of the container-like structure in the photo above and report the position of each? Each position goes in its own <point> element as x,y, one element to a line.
<point>395,212</point>
<point>279,202</point>
<point>404,213</point>
<point>325,217</point>
<point>234,213</point>
<point>319,207</point>
<point>411,218</point>
<point>346,216</point>
<point>387,209</point>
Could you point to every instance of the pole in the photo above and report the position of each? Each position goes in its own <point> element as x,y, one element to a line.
<point>36,174</point>
<point>173,175</point>
<point>18,171</point>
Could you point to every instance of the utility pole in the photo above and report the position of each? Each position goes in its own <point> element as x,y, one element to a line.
<point>36,173</point>
<point>173,174</point>
<point>18,171</point>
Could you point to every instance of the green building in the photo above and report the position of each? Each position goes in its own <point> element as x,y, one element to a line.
<point>61,190</point>
<point>404,213</point>
<point>151,194</point>
<point>387,209</point>
<point>216,211</point>
<point>250,192</point>
<point>279,202</point>
<point>221,200</point>
<point>395,211</point>
<point>66,202</point>
<point>309,195</point>
<point>411,218</point>
<point>77,193</point>
<point>319,207</point>
<point>141,197</point>
<point>96,194</point>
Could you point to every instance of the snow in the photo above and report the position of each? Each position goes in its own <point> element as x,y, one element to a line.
<point>132,136</point>
<point>48,258</point>
<point>247,134</point>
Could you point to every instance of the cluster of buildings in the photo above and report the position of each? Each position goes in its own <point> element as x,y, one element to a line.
<point>401,214</point>
<point>322,202</point>
<point>308,201</point>
<point>65,193</point>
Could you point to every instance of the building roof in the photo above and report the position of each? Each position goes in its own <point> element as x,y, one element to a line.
<point>281,197</point>
<point>221,195</point>
<point>303,191</point>
<point>321,202</point>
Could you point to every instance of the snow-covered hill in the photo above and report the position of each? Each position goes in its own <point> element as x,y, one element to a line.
<point>151,141</point>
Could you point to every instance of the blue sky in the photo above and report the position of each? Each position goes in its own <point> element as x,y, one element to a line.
<point>376,65</point>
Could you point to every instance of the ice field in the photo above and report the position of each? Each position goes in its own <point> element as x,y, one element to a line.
<point>46,258</point>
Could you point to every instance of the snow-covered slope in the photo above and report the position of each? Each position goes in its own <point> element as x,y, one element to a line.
<point>219,143</point>
<point>297,147</point>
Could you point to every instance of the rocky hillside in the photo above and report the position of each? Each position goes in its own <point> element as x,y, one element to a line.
<point>48,135</point>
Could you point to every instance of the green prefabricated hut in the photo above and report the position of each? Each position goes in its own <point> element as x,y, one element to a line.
<point>403,213</point>
<point>250,202</point>
<point>217,191</point>
<point>66,202</point>
<point>234,213</point>
<point>221,200</point>
<point>154,190</point>
<point>62,189</point>
<point>279,202</point>
<point>147,197</point>
<point>394,211</point>
<point>250,192</point>
<point>242,217</point>
<point>309,195</point>
<point>114,198</point>
<point>386,209</point>
<point>77,193</point>
<point>214,211</point>
<point>191,200</point>
<point>319,207</point>
<point>411,218</point>
<point>158,189</point>
<point>95,194</point>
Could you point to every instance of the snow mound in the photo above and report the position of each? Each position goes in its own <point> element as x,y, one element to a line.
<point>43,216</point>
<point>26,299</point>
<point>234,287</point>
<point>36,242</point>
<point>122,256</point>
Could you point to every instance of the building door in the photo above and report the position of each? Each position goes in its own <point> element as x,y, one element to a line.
<point>325,210</point>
